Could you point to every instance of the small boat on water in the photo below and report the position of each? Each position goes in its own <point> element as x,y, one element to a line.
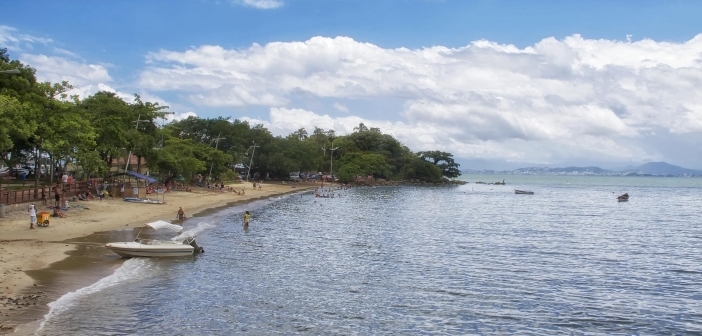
<point>500,183</point>
<point>141,247</point>
<point>523,192</point>
<point>623,198</point>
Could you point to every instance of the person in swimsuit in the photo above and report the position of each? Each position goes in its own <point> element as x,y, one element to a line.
<point>247,217</point>
<point>57,195</point>
<point>181,214</point>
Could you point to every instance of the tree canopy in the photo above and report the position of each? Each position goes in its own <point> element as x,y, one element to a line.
<point>41,120</point>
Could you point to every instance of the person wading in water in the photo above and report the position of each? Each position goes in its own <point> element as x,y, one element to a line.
<point>181,215</point>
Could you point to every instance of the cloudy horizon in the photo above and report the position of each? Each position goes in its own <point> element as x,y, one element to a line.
<point>556,101</point>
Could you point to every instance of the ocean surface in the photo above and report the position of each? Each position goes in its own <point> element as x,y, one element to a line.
<point>426,260</point>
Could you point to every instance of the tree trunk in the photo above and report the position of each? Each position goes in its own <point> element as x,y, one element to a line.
<point>37,169</point>
<point>51,169</point>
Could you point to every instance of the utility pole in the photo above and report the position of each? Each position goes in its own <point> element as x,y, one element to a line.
<point>216,140</point>
<point>331,166</point>
<point>129,157</point>
<point>251,162</point>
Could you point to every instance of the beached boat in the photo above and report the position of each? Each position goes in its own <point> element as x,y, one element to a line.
<point>141,247</point>
<point>523,192</point>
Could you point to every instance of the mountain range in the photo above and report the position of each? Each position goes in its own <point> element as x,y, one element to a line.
<point>650,168</point>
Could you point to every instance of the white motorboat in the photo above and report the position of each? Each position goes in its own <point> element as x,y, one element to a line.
<point>141,247</point>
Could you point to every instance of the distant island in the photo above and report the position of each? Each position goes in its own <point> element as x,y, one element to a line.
<point>648,169</point>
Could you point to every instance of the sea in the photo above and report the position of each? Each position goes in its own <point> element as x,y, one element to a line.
<point>473,259</point>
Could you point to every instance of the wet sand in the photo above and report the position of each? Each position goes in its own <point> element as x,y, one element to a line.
<point>81,260</point>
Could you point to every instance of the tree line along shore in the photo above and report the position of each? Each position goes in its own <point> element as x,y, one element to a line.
<point>41,121</point>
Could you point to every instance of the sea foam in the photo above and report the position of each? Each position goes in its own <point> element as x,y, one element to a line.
<point>132,270</point>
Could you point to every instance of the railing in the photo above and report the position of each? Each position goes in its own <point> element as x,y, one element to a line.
<point>34,194</point>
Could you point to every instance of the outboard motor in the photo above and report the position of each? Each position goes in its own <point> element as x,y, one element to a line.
<point>191,242</point>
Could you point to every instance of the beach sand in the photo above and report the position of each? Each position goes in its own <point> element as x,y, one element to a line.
<point>23,250</point>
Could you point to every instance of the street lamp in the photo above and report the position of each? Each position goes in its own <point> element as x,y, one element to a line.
<point>331,156</point>
<point>10,72</point>
<point>251,162</point>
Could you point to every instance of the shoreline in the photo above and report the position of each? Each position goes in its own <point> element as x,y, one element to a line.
<point>35,272</point>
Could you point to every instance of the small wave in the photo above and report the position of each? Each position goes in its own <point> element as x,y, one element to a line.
<point>200,227</point>
<point>131,270</point>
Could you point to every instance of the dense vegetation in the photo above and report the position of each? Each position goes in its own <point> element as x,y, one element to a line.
<point>41,120</point>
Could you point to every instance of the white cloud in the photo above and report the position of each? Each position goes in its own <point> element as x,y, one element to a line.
<point>180,116</point>
<point>341,108</point>
<point>555,99</point>
<point>12,40</point>
<point>260,4</point>
<point>57,69</point>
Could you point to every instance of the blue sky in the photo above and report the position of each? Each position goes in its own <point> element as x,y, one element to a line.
<point>142,46</point>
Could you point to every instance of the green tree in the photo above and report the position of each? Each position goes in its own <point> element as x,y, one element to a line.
<point>177,157</point>
<point>443,160</point>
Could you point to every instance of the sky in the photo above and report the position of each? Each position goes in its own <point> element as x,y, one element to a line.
<point>497,83</point>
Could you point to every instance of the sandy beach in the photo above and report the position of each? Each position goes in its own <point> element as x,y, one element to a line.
<point>22,249</point>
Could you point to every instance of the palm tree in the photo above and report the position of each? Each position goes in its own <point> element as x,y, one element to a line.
<point>301,134</point>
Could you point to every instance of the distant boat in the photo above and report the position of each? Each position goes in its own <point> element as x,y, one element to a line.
<point>523,192</point>
<point>500,183</point>
<point>623,197</point>
<point>480,182</point>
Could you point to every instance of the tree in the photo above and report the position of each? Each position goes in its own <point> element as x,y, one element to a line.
<point>301,134</point>
<point>443,160</point>
<point>421,170</point>
<point>178,158</point>
<point>15,122</point>
<point>361,128</point>
<point>348,173</point>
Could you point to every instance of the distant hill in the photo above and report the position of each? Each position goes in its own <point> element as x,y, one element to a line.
<point>662,168</point>
<point>595,170</point>
<point>651,168</point>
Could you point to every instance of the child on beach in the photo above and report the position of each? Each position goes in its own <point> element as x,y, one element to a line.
<point>32,215</point>
<point>246,219</point>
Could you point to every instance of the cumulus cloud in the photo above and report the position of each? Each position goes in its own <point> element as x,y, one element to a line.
<point>57,69</point>
<point>556,98</point>
<point>260,4</point>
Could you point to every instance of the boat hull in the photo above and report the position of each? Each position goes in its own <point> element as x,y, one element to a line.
<point>523,192</point>
<point>132,249</point>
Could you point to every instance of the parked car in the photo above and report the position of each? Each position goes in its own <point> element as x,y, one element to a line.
<point>18,171</point>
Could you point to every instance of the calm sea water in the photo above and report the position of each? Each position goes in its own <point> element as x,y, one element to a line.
<point>472,259</point>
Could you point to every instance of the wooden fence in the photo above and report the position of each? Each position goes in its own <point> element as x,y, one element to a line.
<point>34,194</point>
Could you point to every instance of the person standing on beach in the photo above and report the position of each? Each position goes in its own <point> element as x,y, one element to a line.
<point>32,215</point>
<point>57,195</point>
<point>247,217</point>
